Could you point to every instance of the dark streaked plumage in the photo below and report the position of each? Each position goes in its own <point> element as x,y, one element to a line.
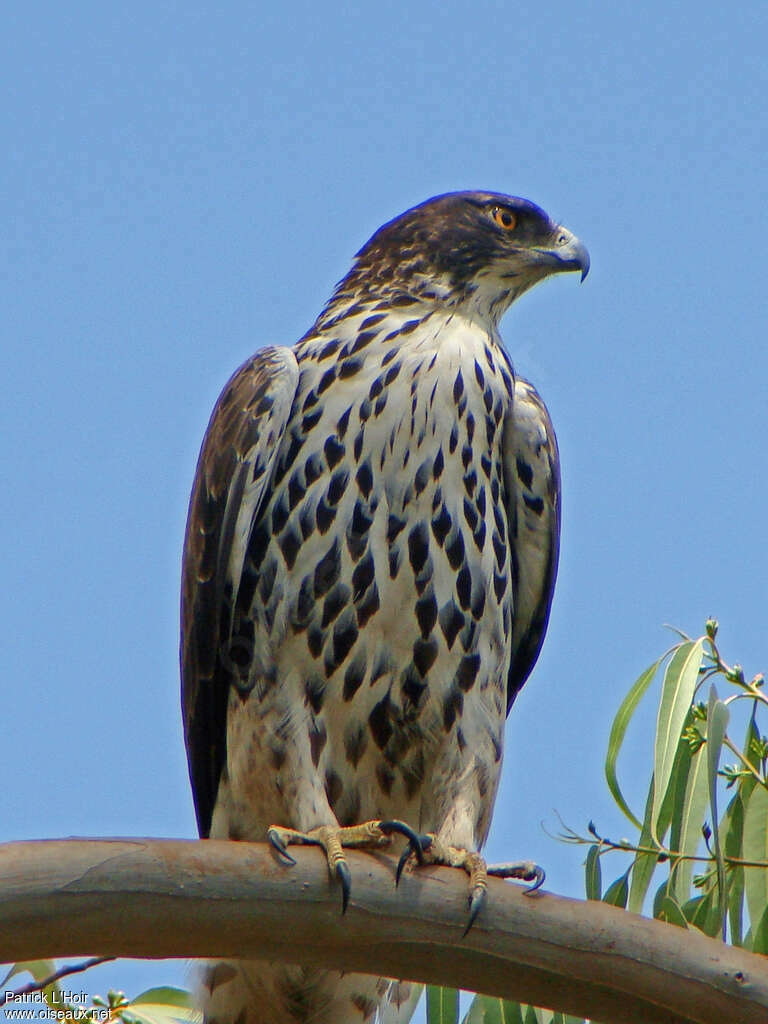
<point>369,562</point>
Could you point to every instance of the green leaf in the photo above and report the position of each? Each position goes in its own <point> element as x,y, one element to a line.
<point>670,910</point>
<point>161,1006</point>
<point>706,913</point>
<point>760,935</point>
<point>618,731</point>
<point>39,969</point>
<point>755,847</point>
<point>617,892</point>
<point>593,880</point>
<point>491,1010</point>
<point>732,828</point>
<point>689,817</point>
<point>645,863</point>
<point>717,723</point>
<point>442,1005</point>
<point>680,678</point>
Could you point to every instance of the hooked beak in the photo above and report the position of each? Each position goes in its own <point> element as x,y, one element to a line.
<point>566,253</point>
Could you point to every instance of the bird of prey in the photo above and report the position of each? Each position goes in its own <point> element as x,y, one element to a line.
<point>369,562</point>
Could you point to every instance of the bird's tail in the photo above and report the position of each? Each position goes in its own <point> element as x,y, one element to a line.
<point>260,992</point>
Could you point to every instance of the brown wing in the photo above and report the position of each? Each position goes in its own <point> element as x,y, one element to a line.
<point>232,479</point>
<point>532,478</point>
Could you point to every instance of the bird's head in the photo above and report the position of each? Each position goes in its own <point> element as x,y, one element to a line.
<point>479,250</point>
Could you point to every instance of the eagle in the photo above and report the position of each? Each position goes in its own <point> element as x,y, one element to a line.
<point>368,569</point>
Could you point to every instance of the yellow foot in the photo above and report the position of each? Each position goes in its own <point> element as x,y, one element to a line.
<point>369,834</point>
<point>436,852</point>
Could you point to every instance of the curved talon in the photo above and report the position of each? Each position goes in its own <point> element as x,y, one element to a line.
<point>416,843</point>
<point>344,876</point>
<point>476,904</point>
<point>526,870</point>
<point>277,843</point>
<point>538,880</point>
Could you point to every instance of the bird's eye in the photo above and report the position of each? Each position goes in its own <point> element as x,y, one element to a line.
<point>504,218</point>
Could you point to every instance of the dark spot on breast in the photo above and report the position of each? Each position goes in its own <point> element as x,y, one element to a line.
<point>438,464</point>
<point>305,604</point>
<point>310,421</point>
<point>479,375</point>
<point>441,525</point>
<point>328,350</point>
<point>357,531</point>
<point>500,549</point>
<point>381,402</point>
<point>279,514</point>
<point>454,549</point>
<point>393,370</point>
<point>313,469</point>
<point>466,455</point>
<point>355,742</point>
<point>488,401</point>
<point>424,654</point>
<point>315,639</point>
<point>470,428</point>
<point>368,606</point>
<point>470,514</point>
<point>290,545</point>
<point>334,452</point>
<point>379,722</point>
<point>364,338</point>
<point>536,505</point>
<point>422,476</point>
<point>326,380</point>
<point>364,478</point>
<point>454,439</point>
<point>317,740</point>
<point>324,516</point>
<point>358,448</point>
<point>343,423</point>
<point>344,636</point>
<point>394,526</point>
<point>467,671</point>
<point>478,603</point>
<point>337,486</point>
<point>458,387</point>
<point>413,689</point>
<point>464,586</point>
<point>349,367</point>
<point>296,490</point>
<point>451,621</point>
<point>426,613</point>
<point>385,777</point>
<point>499,585</point>
<point>362,577</point>
<point>334,602</point>
<point>333,787</point>
<point>470,483</point>
<point>418,547</point>
<point>394,562</point>
<point>327,570</point>
<point>354,675</point>
<point>485,464</point>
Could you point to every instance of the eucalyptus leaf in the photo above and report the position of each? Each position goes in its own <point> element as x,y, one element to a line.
<point>680,678</point>
<point>618,731</point>
<point>755,848</point>
<point>442,1005</point>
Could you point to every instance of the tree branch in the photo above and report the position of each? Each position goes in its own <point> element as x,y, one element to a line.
<point>171,898</point>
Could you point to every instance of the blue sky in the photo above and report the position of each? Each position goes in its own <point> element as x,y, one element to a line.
<point>183,184</point>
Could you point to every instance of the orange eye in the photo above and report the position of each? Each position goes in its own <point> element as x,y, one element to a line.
<point>504,218</point>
